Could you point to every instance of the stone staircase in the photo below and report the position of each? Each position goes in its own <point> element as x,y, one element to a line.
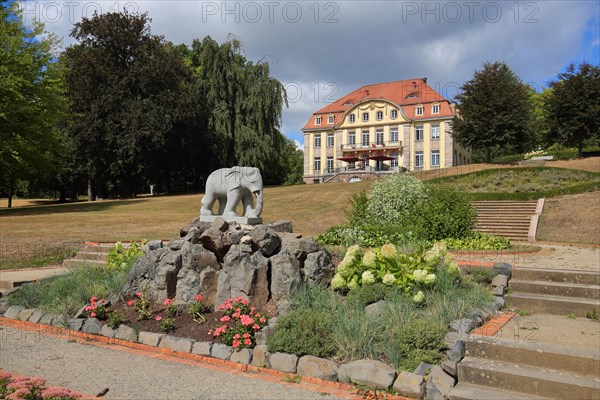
<point>556,292</point>
<point>91,254</point>
<point>503,369</point>
<point>516,220</point>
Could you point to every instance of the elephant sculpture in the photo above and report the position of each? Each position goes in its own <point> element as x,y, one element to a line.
<point>230,186</point>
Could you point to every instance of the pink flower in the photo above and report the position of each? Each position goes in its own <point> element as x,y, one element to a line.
<point>87,308</point>
<point>235,344</point>
<point>198,297</point>
<point>244,302</point>
<point>210,332</point>
<point>262,320</point>
<point>236,336</point>
<point>158,318</point>
<point>94,299</point>
<point>225,319</point>
<point>167,302</point>
<point>246,335</point>
<point>93,314</point>
<point>131,302</point>
<point>255,327</point>
<point>247,342</point>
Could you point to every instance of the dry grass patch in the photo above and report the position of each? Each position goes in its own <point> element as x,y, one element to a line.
<point>571,219</point>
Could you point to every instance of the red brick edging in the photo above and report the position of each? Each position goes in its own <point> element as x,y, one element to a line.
<point>313,384</point>
<point>494,325</point>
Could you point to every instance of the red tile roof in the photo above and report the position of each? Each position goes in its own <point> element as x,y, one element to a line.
<point>406,94</point>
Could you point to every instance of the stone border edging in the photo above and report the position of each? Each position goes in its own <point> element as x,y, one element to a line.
<point>334,388</point>
<point>533,223</point>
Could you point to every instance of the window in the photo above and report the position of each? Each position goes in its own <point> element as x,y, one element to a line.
<point>394,135</point>
<point>419,133</point>
<point>435,132</point>
<point>331,119</point>
<point>419,110</point>
<point>419,159</point>
<point>330,140</point>
<point>394,114</point>
<point>365,138</point>
<point>379,136</point>
<point>351,118</point>
<point>435,158</point>
<point>365,117</point>
<point>317,164</point>
<point>330,168</point>
<point>394,160</point>
<point>435,109</point>
<point>351,137</point>
<point>317,141</point>
<point>379,115</point>
<point>318,120</point>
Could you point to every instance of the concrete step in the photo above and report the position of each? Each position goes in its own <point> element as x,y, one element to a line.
<point>503,225</point>
<point>78,262</point>
<point>566,289</point>
<point>536,381</point>
<point>554,305</point>
<point>557,275</point>
<point>468,391</point>
<point>553,357</point>
<point>504,217</point>
<point>91,255</point>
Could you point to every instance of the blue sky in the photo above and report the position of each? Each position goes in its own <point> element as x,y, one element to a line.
<point>321,50</point>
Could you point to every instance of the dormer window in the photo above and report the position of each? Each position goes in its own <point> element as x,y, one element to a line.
<point>379,115</point>
<point>394,114</point>
<point>331,119</point>
<point>419,110</point>
<point>318,120</point>
<point>435,109</point>
<point>351,118</point>
<point>365,117</point>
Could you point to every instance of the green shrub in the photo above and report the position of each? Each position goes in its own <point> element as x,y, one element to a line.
<point>446,213</point>
<point>369,294</point>
<point>478,241</point>
<point>356,336</point>
<point>115,318</point>
<point>121,257</point>
<point>357,215</point>
<point>394,200</point>
<point>420,340</point>
<point>304,332</point>
<point>367,235</point>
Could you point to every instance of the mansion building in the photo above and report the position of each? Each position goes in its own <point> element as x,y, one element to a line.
<point>381,129</point>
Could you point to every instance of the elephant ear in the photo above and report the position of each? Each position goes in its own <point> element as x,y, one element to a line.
<point>233,178</point>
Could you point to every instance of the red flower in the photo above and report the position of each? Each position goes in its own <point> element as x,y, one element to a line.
<point>93,299</point>
<point>131,302</point>
<point>247,342</point>
<point>138,294</point>
<point>167,302</point>
<point>199,297</point>
<point>93,314</point>
<point>158,318</point>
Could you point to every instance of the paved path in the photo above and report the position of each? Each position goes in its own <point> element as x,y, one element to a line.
<point>8,278</point>
<point>132,374</point>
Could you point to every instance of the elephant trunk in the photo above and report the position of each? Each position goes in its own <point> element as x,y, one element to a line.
<point>259,203</point>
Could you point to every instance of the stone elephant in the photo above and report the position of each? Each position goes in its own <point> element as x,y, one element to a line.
<point>230,186</point>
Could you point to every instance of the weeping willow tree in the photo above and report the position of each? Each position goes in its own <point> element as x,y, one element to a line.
<point>244,105</point>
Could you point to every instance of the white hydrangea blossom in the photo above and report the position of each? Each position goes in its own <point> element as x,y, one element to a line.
<point>352,285</point>
<point>338,282</point>
<point>453,267</point>
<point>368,278</point>
<point>429,279</point>
<point>419,275</point>
<point>419,297</point>
<point>369,259</point>
<point>389,250</point>
<point>389,279</point>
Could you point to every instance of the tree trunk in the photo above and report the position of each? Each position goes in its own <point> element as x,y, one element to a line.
<point>580,149</point>
<point>90,196</point>
<point>63,194</point>
<point>10,201</point>
<point>488,155</point>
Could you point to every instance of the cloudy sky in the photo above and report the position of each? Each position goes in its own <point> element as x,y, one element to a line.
<point>323,50</point>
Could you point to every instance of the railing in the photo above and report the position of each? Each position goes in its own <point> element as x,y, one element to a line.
<point>380,145</point>
<point>358,169</point>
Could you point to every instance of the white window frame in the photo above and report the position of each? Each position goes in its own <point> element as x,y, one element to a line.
<point>394,114</point>
<point>331,119</point>
<point>330,139</point>
<point>435,132</point>
<point>351,118</point>
<point>394,135</point>
<point>318,120</point>
<point>317,164</point>
<point>435,108</point>
<point>419,136</point>
<point>317,141</point>
<point>330,165</point>
<point>366,134</point>
<point>419,110</point>
<point>379,137</point>
<point>419,159</point>
<point>365,117</point>
<point>379,115</point>
<point>352,137</point>
<point>435,158</point>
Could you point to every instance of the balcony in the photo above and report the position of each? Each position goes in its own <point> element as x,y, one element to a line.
<point>371,146</point>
